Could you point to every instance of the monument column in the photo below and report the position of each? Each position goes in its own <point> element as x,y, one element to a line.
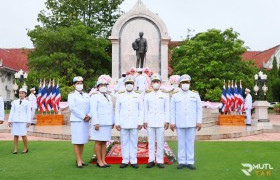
<point>115,58</point>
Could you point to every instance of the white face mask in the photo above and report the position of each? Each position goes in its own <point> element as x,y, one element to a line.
<point>185,87</point>
<point>103,89</point>
<point>156,86</point>
<point>129,87</point>
<point>79,87</point>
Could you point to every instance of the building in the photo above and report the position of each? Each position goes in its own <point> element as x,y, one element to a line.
<point>263,59</point>
<point>11,61</point>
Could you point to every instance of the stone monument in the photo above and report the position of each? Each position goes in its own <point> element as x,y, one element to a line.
<point>124,33</point>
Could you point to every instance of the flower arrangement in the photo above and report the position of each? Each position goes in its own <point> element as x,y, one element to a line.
<point>169,153</point>
<point>174,79</point>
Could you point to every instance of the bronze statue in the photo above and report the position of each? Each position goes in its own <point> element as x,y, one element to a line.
<point>140,45</point>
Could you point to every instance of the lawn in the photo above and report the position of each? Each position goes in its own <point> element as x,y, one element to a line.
<point>214,160</point>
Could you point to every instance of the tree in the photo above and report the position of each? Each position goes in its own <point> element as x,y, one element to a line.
<point>99,15</point>
<point>274,82</point>
<point>72,41</point>
<point>210,58</point>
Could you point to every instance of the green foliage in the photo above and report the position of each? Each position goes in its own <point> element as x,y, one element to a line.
<point>210,58</point>
<point>273,82</point>
<point>65,92</point>
<point>100,16</point>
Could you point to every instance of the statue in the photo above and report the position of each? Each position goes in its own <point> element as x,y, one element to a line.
<point>140,45</point>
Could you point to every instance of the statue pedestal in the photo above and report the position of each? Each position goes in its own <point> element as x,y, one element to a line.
<point>261,115</point>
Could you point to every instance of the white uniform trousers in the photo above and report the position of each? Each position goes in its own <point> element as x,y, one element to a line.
<point>248,116</point>
<point>129,144</point>
<point>186,137</point>
<point>156,134</point>
<point>33,110</point>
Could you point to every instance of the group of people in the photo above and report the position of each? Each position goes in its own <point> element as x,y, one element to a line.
<point>21,115</point>
<point>154,111</point>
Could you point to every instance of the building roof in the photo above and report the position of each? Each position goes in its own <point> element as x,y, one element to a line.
<point>14,59</point>
<point>261,57</point>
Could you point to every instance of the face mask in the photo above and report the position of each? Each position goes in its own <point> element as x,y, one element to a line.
<point>103,89</point>
<point>129,87</point>
<point>156,86</point>
<point>79,87</point>
<point>185,87</point>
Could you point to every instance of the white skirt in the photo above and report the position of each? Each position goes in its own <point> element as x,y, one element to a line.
<point>103,134</point>
<point>79,132</point>
<point>19,129</point>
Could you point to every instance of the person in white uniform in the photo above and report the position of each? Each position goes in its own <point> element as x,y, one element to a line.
<point>156,120</point>
<point>120,85</point>
<point>129,116</point>
<point>248,107</point>
<point>186,117</point>
<point>101,110</point>
<point>2,112</point>
<point>141,82</point>
<point>79,105</point>
<point>20,120</point>
<point>33,102</point>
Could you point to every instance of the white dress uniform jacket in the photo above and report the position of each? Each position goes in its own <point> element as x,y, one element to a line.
<point>129,112</point>
<point>101,109</point>
<point>33,100</point>
<point>156,107</point>
<point>20,112</point>
<point>141,83</point>
<point>120,85</point>
<point>248,102</point>
<point>186,109</point>
<point>79,105</point>
<point>2,114</point>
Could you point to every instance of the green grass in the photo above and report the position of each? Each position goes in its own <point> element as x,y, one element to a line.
<point>214,160</point>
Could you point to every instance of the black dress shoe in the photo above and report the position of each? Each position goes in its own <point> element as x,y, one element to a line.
<point>107,165</point>
<point>160,165</point>
<point>97,164</point>
<point>24,152</point>
<point>85,164</point>
<point>180,166</point>
<point>14,152</point>
<point>248,124</point>
<point>150,164</point>
<point>135,166</point>
<point>78,165</point>
<point>191,166</point>
<point>123,165</point>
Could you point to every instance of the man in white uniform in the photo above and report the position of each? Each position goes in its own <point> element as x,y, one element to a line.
<point>33,102</point>
<point>186,117</point>
<point>141,82</point>
<point>120,86</point>
<point>2,112</point>
<point>129,116</point>
<point>248,106</point>
<point>156,119</point>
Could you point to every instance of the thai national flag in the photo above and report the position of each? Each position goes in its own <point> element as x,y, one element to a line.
<point>236,95</point>
<point>228,95</point>
<point>57,97</point>
<point>232,96</point>
<point>48,99</point>
<point>39,96</point>
<point>43,98</point>
<point>53,97</point>
<point>223,98</point>
<point>241,98</point>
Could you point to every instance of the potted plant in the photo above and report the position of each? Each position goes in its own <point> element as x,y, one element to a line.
<point>276,108</point>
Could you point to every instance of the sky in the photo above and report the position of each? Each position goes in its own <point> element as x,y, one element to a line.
<point>257,21</point>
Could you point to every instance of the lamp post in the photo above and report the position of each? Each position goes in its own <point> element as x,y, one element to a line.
<point>21,76</point>
<point>260,80</point>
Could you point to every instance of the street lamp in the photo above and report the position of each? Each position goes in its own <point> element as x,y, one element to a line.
<point>260,79</point>
<point>20,75</point>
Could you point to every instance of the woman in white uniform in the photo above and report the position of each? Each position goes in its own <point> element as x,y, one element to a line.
<point>101,109</point>
<point>20,120</point>
<point>79,106</point>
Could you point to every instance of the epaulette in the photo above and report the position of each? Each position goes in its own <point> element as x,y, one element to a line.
<point>174,91</point>
<point>120,92</point>
<point>195,91</point>
<point>137,91</point>
<point>149,90</point>
<point>94,92</point>
<point>164,91</point>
